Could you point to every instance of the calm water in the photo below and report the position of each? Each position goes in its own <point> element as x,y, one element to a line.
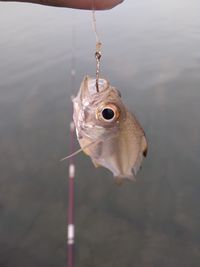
<point>151,53</point>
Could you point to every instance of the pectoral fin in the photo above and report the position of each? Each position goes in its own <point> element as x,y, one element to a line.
<point>84,149</point>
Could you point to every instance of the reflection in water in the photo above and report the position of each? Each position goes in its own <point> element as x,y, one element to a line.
<point>152,222</point>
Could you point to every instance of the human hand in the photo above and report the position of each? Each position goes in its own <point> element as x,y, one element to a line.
<point>90,4</point>
<point>78,4</point>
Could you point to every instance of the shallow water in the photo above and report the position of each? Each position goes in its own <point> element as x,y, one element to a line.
<point>151,53</point>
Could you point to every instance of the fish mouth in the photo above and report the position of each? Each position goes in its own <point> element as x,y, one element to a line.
<point>89,86</point>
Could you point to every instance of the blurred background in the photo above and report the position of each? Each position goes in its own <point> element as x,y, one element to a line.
<point>151,54</point>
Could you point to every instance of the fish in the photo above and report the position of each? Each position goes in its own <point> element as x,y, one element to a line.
<point>106,131</point>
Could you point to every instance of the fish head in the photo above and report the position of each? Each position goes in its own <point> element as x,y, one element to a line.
<point>97,115</point>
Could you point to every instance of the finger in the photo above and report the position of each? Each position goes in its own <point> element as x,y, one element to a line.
<point>78,4</point>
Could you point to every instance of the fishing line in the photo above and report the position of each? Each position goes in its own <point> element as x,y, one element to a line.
<point>98,47</point>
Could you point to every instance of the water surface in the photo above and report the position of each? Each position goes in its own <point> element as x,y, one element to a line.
<point>151,53</point>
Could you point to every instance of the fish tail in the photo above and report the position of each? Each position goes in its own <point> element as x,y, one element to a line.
<point>119,180</point>
<point>141,155</point>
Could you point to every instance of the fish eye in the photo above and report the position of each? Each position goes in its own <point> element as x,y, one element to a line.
<point>109,112</point>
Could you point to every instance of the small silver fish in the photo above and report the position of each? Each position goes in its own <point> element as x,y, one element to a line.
<point>107,131</point>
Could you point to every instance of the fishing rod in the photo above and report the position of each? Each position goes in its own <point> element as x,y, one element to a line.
<point>71,166</point>
<point>70,214</point>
